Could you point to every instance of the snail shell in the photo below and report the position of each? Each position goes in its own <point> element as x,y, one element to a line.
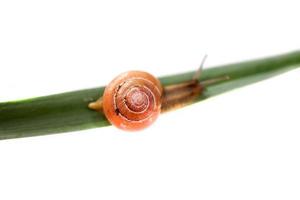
<point>132,101</point>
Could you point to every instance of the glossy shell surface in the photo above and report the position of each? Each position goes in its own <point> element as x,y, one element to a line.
<point>132,101</point>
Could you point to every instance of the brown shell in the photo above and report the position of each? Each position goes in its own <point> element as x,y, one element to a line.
<point>132,101</point>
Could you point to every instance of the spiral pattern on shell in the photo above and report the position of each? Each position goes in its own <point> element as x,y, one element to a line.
<point>132,101</point>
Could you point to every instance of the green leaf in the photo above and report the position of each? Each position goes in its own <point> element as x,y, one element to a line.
<point>69,112</point>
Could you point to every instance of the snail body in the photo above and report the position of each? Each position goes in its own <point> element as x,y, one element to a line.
<point>133,100</point>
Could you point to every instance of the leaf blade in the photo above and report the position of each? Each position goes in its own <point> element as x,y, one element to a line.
<point>69,112</point>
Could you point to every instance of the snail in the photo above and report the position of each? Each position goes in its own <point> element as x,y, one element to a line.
<point>133,100</point>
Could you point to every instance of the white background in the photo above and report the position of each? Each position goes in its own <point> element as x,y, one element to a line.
<point>241,145</point>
